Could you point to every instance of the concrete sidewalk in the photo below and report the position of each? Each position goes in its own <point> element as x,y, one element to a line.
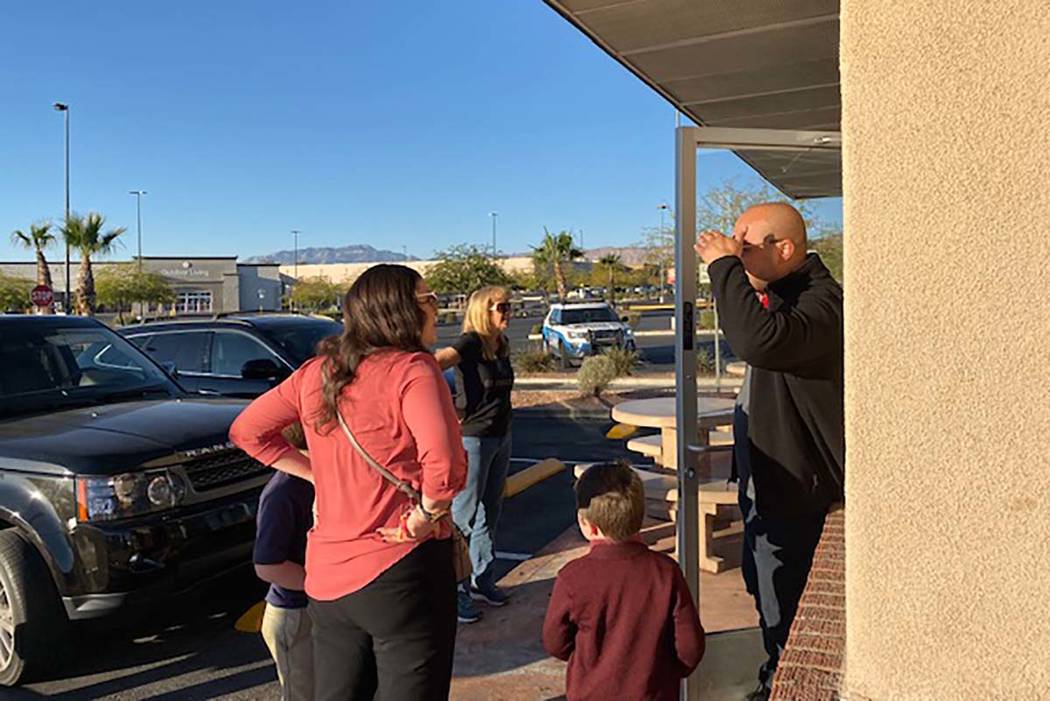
<point>501,658</point>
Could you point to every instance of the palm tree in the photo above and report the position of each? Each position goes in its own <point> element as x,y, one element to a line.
<point>556,250</point>
<point>611,263</point>
<point>38,238</point>
<point>85,234</point>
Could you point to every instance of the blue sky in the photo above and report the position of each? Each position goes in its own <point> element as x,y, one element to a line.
<point>399,123</point>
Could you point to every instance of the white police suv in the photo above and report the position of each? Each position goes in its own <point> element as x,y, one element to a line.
<point>574,331</point>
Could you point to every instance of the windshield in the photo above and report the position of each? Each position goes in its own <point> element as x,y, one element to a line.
<point>299,339</point>
<point>587,315</point>
<point>47,366</point>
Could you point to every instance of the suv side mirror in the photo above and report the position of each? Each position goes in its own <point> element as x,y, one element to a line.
<point>260,369</point>
<point>170,370</point>
<point>624,319</point>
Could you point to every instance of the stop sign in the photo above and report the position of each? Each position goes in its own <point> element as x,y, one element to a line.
<point>42,296</point>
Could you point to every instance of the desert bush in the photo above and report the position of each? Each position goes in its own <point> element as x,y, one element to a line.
<point>623,360</point>
<point>705,362</point>
<point>533,361</point>
<point>595,375</point>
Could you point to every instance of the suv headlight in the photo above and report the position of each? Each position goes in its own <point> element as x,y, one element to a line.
<point>128,494</point>
<point>577,335</point>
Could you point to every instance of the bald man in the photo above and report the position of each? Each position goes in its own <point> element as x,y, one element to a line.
<point>781,312</point>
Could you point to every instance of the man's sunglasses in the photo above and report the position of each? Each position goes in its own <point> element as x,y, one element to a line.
<point>770,238</point>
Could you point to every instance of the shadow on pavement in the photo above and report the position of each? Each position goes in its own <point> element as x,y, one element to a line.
<point>177,650</point>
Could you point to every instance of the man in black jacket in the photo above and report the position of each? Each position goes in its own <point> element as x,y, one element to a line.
<point>781,312</point>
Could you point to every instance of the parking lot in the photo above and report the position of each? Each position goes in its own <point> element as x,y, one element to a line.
<point>188,649</point>
<point>144,496</point>
<point>656,349</point>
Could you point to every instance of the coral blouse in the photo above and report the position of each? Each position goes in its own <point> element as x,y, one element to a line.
<point>400,410</point>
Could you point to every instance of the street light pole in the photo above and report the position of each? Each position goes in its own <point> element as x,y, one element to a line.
<point>493,215</point>
<point>64,108</point>
<point>295,262</point>
<point>295,258</point>
<point>663,228</point>
<point>138,211</point>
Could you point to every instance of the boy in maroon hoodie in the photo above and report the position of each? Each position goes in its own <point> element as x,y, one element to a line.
<point>622,615</point>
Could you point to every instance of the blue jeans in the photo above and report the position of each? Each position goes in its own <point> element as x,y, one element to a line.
<point>477,508</point>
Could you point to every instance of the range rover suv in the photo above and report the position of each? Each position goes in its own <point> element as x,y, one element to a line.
<point>116,486</point>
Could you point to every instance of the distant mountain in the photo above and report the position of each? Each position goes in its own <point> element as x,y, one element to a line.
<point>629,255</point>
<point>355,253</point>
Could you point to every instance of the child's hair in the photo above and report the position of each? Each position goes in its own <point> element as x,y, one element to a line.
<point>611,496</point>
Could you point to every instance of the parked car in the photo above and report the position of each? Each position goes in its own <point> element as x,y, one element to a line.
<point>117,487</point>
<point>574,331</point>
<point>240,355</point>
<point>527,306</point>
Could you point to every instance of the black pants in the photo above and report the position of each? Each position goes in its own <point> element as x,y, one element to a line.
<point>394,639</point>
<point>778,554</point>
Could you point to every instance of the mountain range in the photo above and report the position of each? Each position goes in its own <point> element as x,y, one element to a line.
<point>354,253</point>
<point>362,253</point>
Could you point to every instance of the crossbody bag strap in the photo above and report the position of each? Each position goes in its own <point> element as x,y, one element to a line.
<point>390,477</point>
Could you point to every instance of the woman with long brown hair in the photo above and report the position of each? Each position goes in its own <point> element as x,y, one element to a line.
<point>379,572</point>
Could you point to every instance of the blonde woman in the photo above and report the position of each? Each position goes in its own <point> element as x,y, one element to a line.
<point>484,379</point>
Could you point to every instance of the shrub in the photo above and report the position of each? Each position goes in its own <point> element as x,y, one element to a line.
<point>595,375</point>
<point>533,361</point>
<point>623,360</point>
<point>705,362</point>
<point>706,320</point>
<point>449,317</point>
<point>536,328</point>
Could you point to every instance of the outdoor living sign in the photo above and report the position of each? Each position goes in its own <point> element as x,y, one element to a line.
<point>186,270</point>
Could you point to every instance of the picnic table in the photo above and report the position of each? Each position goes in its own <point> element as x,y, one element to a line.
<point>720,516</point>
<point>659,412</point>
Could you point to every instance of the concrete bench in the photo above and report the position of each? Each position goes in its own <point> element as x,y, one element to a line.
<point>653,446</point>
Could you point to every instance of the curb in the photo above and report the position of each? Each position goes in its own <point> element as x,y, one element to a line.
<point>531,475</point>
<point>700,333</point>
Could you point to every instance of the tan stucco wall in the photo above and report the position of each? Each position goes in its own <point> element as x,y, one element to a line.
<point>946,108</point>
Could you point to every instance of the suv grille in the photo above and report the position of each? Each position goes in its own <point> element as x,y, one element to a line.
<point>607,336</point>
<point>219,470</point>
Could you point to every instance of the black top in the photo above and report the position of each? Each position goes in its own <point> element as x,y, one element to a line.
<point>285,517</point>
<point>795,435</point>
<point>482,394</point>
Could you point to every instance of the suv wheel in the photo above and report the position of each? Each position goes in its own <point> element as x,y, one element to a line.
<point>32,622</point>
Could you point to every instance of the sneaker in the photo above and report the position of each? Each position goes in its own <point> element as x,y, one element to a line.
<point>488,593</point>
<point>466,611</point>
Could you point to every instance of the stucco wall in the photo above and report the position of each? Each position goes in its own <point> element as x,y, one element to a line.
<point>946,120</point>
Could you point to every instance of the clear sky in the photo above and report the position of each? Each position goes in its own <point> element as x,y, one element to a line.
<point>394,123</point>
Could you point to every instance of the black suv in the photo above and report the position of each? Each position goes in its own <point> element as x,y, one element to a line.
<point>240,355</point>
<point>116,486</point>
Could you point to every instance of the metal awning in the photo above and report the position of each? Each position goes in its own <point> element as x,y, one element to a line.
<point>734,63</point>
